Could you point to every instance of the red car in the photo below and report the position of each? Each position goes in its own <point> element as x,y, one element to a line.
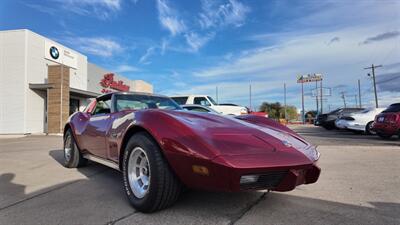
<point>387,123</point>
<point>159,148</point>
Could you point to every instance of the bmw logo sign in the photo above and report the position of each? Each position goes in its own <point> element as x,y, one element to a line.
<point>54,52</point>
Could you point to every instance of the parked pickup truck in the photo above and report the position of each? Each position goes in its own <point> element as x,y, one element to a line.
<point>209,102</point>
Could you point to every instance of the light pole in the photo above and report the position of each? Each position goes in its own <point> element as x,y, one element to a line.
<point>302,103</point>
<point>284,100</point>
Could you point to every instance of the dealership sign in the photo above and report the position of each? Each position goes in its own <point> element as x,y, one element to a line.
<point>60,54</point>
<point>109,82</point>
<point>309,78</point>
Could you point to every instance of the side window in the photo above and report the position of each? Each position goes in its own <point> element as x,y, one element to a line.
<point>180,100</point>
<point>103,107</point>
<point>201,101</point>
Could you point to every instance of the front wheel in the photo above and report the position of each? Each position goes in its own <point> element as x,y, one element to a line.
<point>72,156</point>
<point>149,182</point>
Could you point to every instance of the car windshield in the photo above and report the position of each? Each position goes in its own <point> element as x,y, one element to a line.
<point>393,108</point>
<point>212,100</point>
<point>138,102</point>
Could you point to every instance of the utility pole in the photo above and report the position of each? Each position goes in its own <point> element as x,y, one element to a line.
<point>250,97</point>
<point>316,95</point>
<point>284,99</point>
<point>216,93</point>
<point>344,98</point>
<point>359,93</point>
<point>321,96</point>
<point>302,103</point>
<point>373,67</point>
<point>355,97</point>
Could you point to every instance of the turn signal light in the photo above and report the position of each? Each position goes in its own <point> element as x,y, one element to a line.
<point>202,170</point>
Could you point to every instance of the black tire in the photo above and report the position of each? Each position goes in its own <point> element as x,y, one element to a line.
<point>368,129</point>
<point>164,187</point>
<point>75,159</point>
<point>384,136</point>
<point>328,127</point>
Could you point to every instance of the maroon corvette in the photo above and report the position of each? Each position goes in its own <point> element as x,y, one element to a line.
<point>160,148</point>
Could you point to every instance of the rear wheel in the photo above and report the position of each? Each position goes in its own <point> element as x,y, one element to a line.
<point>72,156</point>
<point>368,128</point>
<point>149,182</point>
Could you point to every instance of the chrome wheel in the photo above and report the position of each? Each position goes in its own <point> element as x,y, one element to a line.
<point>68,148</point>
<point>139,172</point>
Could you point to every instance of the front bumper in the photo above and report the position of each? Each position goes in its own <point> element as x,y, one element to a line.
<point>283,180</point>
<point>356,126</point>
<point>224,176</point>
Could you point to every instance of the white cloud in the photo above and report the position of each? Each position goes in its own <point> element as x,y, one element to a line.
<point>149,52</point>
<point>341,63</point>
<point>169,18</point>
<point>99,46</point>
<point>304,54</point>
<point>101,9</point>
<point>125,69</point>
<point>214,14</point>
<point>195,41</point>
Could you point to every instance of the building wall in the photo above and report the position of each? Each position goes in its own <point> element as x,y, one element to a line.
<point>78,76</point>
<point>23,61</point>
<point>58,98</point>
<point>12,81</point>
<point>142,86</point>
<point>97,73</point>
<point>36,72</point>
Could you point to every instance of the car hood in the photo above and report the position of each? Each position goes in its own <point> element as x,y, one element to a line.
<point>232,136</point>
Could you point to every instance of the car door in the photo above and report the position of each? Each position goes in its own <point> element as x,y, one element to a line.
<point>94,136</point>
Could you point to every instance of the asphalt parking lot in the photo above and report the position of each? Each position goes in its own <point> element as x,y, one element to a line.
<point>359,184</point>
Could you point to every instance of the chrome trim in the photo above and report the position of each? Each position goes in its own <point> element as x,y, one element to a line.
<point>102,161</point>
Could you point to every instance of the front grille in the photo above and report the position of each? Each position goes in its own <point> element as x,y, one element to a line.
<point>268,180</point>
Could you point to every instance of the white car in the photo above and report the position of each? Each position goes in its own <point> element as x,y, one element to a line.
<point>205,100</point>
<point>359,121</point>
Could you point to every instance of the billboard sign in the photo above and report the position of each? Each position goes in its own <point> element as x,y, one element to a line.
<point>309,78</point>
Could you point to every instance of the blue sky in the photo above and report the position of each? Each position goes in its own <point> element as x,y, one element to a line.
<point>190,47</point>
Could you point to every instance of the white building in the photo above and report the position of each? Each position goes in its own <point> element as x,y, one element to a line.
<point>43,82</point>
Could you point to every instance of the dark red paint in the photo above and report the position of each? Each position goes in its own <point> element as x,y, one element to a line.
<point>389,124</point>
<point>228,147</point>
